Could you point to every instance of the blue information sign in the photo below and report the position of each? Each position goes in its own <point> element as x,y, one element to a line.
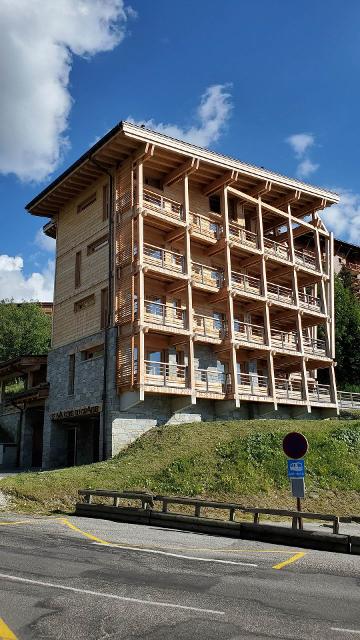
<point>296,468</point>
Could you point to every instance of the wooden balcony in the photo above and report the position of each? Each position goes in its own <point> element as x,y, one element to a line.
<point>165,375</point>
<point>312,303</point>
<point>281,294</point>
<point>209,328</point>
<point>348,399</point>
<point>319,392</point>
<point>163,260</point>
<point>212,382</point>
<point>164,315</point>
<point>160,206</point>
<point>314,346</point>
<point>242,237</point>
<point>284,340</point>
<point>246,284</point>
<point>306,259</point>
<point>206,277</point>
<point>249,333</point>
<point>276,250</point>
<point>289,389</point>
<point>253,385</point>
<point>204,228</point>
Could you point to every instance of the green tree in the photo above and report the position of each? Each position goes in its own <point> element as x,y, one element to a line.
<point>24,330</point>
<point>347,333</point>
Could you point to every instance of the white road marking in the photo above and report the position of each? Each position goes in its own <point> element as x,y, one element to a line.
<point>112,596</point>
<point>175,555</point>
<point>345,630</point>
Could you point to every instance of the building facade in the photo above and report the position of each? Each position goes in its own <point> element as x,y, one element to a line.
<point>182,292</point>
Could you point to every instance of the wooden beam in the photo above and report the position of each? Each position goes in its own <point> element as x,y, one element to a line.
<point>224,181</point>
<point>283,202</point>
<point>271,209</point>
<point>174,235</point>
<point>185,169</point>
<point>177,286</point>
<point>143,152</point>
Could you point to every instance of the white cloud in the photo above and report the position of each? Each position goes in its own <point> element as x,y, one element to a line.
<point>37,42</point>
<point>301,143</point>
<point>44,242</point>
<point>14,284</point>
<point>344,218</point>
<point>211,118</point>
<point>306,167</point>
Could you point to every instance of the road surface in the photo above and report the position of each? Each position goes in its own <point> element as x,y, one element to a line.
<point>82,578</point>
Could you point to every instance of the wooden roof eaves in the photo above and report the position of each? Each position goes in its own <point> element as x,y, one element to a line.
<point>226,162</point>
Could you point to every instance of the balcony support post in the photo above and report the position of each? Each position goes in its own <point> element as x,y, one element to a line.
<point>229,300</point>
<point>271,377</point>
<point>333,390</point>
<point>189,305</point>
<point>141,288</point>
<point>331,305</point>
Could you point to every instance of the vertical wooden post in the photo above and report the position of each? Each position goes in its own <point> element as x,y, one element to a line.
<point>229,300</point>
<point>140,257</point>
<point>270,357</point>
<point>189,303</point>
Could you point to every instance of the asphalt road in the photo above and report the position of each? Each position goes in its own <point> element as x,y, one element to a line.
<point>59,580</point>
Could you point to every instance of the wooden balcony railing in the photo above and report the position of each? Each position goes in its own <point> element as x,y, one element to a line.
<point>287,340</point>
<point>306,259</point>
<point>319,392</point>
<point>282,294</point>
<point>164,314</point>
<point>314,346</point>
<point>205,227</point>
<point>291,389</point>
<point>349,399</point>
<point>276,249</point>
<point>209,276</point>
<point>164,374</point>
<point>249,332</point>
<point>164,259</point>
<point>243,282</point>
<point>158,203</point>
<point>209,327</point>
<point>212,381</point>
<point>309,302</point>
<point>242,236</point>
<point>252,384</point>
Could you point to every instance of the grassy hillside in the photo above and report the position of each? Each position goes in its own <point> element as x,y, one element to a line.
<point>240,460</point>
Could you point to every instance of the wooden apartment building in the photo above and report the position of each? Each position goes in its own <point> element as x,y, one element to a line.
<point>182,292</point>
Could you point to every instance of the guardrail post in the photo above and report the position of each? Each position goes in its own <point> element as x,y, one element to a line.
<point>197,510</point>
<point>232,514</point>
<point>336,525</point>
<point>116,502</point>
<point>256,518</point>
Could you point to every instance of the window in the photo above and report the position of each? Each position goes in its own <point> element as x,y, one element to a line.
<point>71,380</point>
<point>154,360</point>
<point>104,313</point>
<point>214,204</point>
<point>106,201</point>
<point>97,351</point>
<point>153,182</point>
<point>218,320</point>
<point>97,244</point>
<point>86,203</point>
<point>84,303</point>
<point>78,270</point>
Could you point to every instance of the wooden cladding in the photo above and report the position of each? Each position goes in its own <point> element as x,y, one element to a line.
<point>105,202</point>
<point>104,313</point>
<point>97,244</point>
<point>78,270</point>
<point>86,203</point>
<point>84,303</point>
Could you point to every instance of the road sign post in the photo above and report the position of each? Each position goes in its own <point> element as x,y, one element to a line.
<point>295,446</point>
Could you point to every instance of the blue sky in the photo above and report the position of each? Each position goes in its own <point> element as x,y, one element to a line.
<point>271,82</point>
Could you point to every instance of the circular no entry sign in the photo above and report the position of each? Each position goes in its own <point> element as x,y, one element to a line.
<point>295,445</point>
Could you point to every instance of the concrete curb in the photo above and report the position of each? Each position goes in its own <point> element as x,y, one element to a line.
<point>242,530</point>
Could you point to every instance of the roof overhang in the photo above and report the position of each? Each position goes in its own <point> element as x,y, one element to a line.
<point>125,138</point>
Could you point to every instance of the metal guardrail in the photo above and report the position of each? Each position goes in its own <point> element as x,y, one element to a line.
<point>148,501</point>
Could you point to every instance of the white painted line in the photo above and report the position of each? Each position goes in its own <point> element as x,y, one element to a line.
<point>175,555</point>
<point>112,596</point>
<point>345,630</point>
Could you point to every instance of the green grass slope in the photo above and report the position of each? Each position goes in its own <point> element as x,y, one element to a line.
<point>240,460</point>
